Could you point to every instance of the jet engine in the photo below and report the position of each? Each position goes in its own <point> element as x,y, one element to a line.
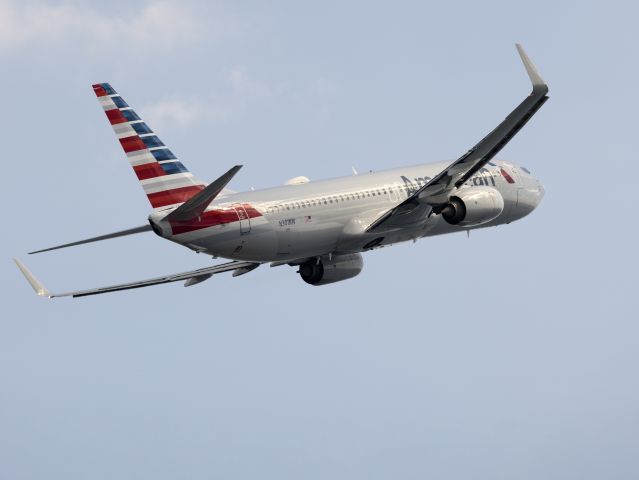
<point>335,269</point>
<point>473,206</point>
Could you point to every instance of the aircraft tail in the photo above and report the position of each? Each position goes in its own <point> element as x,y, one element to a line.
<point>165,180</point>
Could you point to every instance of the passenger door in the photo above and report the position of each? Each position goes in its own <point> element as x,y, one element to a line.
<point>245,221</point>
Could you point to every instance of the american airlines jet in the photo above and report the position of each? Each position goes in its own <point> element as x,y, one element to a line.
<point>320,227</point>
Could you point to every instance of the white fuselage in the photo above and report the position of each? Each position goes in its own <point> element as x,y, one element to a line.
<point>317,218</point>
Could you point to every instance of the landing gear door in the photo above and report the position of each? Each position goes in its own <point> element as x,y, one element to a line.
<point>245,221</point>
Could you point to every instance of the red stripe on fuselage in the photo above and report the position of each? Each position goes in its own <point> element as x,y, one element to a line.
<point>177,195</point>
<point>505,174</point>
<point>149,170</point>
<point>115,116</point>
<point>132,144</point>
<point>213,218</point>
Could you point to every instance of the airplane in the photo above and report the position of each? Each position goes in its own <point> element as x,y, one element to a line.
<point>320,227</point>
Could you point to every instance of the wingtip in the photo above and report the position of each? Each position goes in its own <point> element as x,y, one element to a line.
<point>538,83</point>
<point>33,281</point>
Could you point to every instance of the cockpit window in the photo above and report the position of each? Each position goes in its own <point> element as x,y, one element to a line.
<point>526,170</point>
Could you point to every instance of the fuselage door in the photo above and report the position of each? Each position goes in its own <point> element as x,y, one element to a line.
<point>245,221</point>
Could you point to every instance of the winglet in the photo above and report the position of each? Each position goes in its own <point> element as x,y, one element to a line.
<point>33,281</point>
<point>539,86</point>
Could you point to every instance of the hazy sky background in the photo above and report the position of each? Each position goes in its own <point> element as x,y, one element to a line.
<point>512,354</point>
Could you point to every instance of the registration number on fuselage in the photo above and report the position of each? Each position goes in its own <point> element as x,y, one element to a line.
<point>286,222</point>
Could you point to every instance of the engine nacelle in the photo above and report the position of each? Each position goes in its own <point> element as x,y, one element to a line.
<point>338,268</point>
<point>473,206</point>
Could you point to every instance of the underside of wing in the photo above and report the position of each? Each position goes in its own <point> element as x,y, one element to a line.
<point>434,195</point>
<point>190,278</point>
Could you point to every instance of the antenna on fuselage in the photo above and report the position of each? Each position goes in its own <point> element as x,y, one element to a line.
<point>354,171</point>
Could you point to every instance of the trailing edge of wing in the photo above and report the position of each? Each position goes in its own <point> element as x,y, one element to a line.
<point>122,233</point>
<point>199,274</point>
<point>435,193</point>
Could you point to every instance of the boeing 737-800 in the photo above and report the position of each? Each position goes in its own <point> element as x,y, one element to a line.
<point>320,227</point>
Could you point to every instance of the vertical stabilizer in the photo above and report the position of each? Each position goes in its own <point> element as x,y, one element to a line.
<point>165,180</point>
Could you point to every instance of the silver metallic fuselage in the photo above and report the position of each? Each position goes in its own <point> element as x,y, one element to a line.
<point>331,216</point>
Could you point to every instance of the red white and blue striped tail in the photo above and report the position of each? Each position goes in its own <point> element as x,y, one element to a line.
<point>162,176</point>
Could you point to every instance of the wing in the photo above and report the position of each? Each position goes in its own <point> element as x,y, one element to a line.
<point>191,278</point>
<point>435,193</point>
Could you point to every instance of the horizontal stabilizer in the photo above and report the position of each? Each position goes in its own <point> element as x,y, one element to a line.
<point>195,206</point>
<point>122,233</point>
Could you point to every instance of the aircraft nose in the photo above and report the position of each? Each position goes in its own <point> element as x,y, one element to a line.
<point>540,192</point>
<point>529,197</point>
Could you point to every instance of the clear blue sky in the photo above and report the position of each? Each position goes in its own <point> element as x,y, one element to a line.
<point>512,354</point>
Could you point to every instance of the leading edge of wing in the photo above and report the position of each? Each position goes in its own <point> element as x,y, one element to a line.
<point>435,192</point>
<point>195,276</point>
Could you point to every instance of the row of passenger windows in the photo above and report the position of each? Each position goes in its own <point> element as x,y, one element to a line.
<point>347,197</point>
